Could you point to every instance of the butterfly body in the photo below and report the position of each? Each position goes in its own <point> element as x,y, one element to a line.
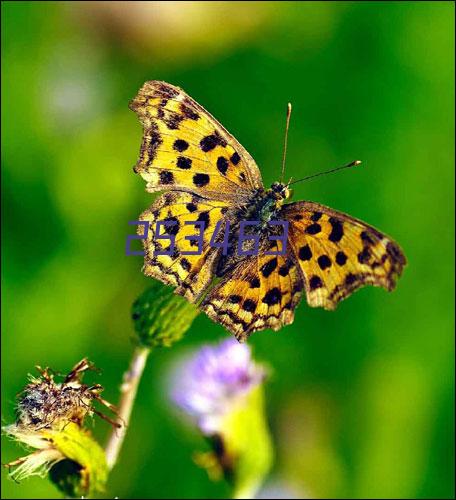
<point>244,284</point>
<point>270,203</point>
<point>263,208</point>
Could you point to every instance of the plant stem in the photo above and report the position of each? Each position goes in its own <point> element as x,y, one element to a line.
<point>128,392</point>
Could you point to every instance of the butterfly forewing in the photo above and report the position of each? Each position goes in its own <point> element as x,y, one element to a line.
<point>185,148</point>
<point>337,254</point>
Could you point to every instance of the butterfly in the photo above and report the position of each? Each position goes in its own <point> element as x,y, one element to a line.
<point>207,176</point>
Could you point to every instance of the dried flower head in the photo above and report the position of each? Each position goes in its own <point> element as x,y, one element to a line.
<point>49,419</point>
<point>45,403</point>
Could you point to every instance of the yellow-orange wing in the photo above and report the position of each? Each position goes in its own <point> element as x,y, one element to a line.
<point>185,148</point>
<point>337,254</point>
<point>261,292</point>
<point>190,274</point>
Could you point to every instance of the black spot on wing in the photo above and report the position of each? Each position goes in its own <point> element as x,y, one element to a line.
<point>272,297</point>
<point>151,144</point>
<point>324,262</point>
<point>337,230</point>
<point>315,282</point>
<point>341,258</point>
<point>234,299</point>
<point>313,228</point>
<point>285,268</point>
<point>249,305</point>
<point>255,283</point>
<point>166,177</point>
<point>172,228</point>
<point>209,142</point>
<point>184,163</point>
<point>350,279</point>
<point>180,145</point>
<point>364,256</point>
<point>175,254</point>
<point>305,253</point>
<point>165,90</point>
<point>222,165</point>
<point>367,238</point>
<point>269,267</point>
<point>172,120</point>
<point>235,158</point>
<point>204,217</point>
<point>185,264</point>
<point>201,180</point>
<point>395,252</point>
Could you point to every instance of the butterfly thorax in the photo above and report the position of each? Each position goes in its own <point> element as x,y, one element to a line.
<point>263,206</point>
<point>269,202</point>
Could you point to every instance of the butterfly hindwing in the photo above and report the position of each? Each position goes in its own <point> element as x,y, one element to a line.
<point>337,254</point>
<point>190,274</point>
<point>261,292</point>
<point>184,148</point>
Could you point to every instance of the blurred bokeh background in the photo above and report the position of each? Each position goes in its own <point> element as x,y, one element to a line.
<point>360,403</point>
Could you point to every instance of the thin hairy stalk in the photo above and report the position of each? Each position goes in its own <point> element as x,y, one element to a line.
<point>128,392</point>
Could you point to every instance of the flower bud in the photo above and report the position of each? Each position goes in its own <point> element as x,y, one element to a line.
<point>161,317</point>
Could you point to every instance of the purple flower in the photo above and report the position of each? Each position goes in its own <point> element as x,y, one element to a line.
<point>214,380</point>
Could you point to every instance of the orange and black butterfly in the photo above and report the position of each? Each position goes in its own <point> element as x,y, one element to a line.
<point>211,182</point>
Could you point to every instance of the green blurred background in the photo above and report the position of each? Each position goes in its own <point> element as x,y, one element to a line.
<point>361,400</point>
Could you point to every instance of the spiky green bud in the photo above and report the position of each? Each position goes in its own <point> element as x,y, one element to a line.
<point>160,317</point>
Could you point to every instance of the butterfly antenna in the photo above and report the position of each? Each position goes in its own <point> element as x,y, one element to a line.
<point>286,141</point>
<point>352,164</point>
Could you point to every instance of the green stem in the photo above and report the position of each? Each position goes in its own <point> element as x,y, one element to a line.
<point>160,319</point>
<point>128,392</point>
